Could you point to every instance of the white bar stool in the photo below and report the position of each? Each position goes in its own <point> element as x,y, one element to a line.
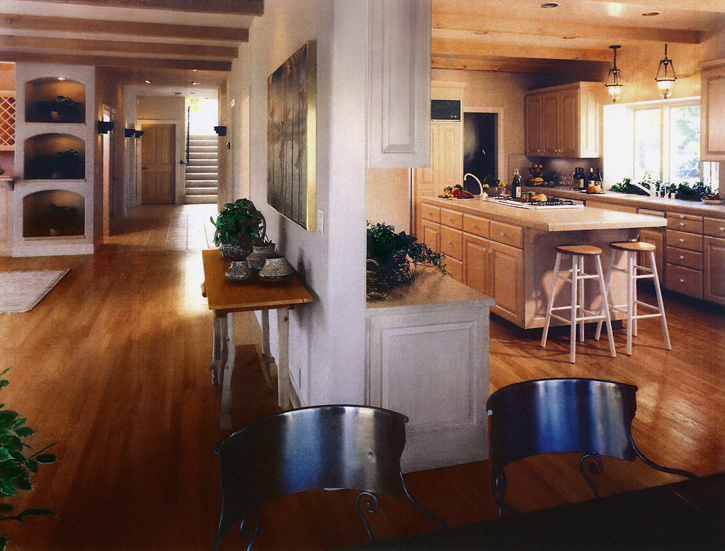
<point>636,272</point>
<point>577,312</point>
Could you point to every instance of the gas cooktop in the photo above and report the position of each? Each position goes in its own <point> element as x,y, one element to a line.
<point>554,203</point>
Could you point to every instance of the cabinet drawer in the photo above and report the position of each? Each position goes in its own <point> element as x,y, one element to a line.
<point>452,218</point>
<point>714,227</point>
<point>683,240</point>
<point>431,213</point>
<point>475,225</point>
<point>684,222</point>
<point>682,257</point>
<point>452,242</point>
<point>507,234</point>
<point>684,280</point>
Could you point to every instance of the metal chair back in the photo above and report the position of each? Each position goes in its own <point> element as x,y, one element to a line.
<point>586,416</point>
<point>335,446</point>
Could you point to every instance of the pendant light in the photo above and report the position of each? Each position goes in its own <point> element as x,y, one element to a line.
<point>613,84</point>
<point>665,80</point>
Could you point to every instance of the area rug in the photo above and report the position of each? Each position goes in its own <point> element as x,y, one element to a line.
<point>21,290</point>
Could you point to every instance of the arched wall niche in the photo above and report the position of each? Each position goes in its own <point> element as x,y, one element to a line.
<point>54,156</point>
<point>53,213</point>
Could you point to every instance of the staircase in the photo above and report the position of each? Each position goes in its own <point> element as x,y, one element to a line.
<point>202,170</point>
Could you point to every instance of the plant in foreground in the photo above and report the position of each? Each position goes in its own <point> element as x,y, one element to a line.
<point>15,467</point>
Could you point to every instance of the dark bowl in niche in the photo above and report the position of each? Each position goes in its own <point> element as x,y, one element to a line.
<point>65,165</point>
<point>60,109</point>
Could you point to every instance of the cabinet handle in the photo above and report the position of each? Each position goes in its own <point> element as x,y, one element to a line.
<point>682,280</point>
<point>682,257</point>
<point>682,224</point>
<point>722,228</point>
<point>682,240</point>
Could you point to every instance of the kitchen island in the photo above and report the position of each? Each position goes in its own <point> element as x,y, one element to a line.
<point>427,357</point>
<point>508,252</point>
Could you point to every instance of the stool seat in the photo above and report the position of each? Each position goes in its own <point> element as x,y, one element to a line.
<point>586,250</point>
<point>635,246</point>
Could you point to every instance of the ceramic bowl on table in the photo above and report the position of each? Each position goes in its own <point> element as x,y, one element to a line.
<point>276,269</point>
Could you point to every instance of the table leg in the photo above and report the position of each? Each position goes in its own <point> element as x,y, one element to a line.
<point>223,358</point>
<point>283,382</point>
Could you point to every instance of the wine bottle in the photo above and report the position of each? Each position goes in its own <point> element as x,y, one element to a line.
<point>516,185</point>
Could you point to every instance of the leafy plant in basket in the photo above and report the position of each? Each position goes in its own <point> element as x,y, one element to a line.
<point>239,226</point>
<point>15,467</point>
<point>390,256</point>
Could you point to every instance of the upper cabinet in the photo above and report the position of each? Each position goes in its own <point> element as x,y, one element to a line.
<point>712,144</point>
<point>399,84</point>
<point>563,121</point>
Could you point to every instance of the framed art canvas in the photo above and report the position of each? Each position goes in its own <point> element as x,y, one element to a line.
<point>291,137</point>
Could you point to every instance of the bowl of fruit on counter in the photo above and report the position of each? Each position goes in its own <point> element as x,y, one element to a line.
<point>456,192</point>
<point>713,199</point>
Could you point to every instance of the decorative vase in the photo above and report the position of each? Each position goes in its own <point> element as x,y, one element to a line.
<point>235,250</point>
<point>276,268</point>
<point>238,271</point>
<point>376,288</point>
<point>259,255</point>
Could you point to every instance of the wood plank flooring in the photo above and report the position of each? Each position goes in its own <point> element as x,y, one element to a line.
<point>112,365</point>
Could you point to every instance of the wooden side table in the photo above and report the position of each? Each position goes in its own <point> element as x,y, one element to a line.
<point>225,298</point>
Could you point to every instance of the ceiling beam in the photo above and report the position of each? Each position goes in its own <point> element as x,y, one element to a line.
<point>485,25</point>
<point>235,7</point>
<point>126,28</point>
<point>714,6</point>
<point>108,46</point>
<point>473,63</point>
<point>455,47</point>
<point>116,61</point>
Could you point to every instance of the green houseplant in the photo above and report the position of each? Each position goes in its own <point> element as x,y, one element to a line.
<point>16,468</point>
<point>239,226</point>
<point>390,255</point>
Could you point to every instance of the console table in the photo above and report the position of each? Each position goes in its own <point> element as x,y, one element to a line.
<point>225,298</point>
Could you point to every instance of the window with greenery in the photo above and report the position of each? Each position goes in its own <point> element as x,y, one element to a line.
<point>657,138</point>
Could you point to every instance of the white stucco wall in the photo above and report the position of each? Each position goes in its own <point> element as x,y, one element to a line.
<point>327,338</point>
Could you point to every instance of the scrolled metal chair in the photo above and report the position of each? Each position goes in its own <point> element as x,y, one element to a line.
<point>586,416</point>
<point>337,446</point>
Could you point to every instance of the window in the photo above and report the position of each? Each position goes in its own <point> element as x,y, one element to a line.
<point>658,138</point>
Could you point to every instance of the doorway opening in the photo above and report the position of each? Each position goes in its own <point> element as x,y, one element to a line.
<point>480,148</point>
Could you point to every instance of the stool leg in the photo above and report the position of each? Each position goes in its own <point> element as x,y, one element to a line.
<point>605,306</point>
<point>661,305</point>
<point>581,300</point>
<point>630,301</point>
<point>634,293</point>
<point>574,305</point>
<point>605,299</point>
<point>555,277</point>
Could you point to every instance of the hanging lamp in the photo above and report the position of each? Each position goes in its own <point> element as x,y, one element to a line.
<point>614,84</point>
<point>665,80</point>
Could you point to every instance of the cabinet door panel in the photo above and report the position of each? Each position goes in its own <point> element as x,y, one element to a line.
<point>452,243</point>
<point>431,235</point>
<point>550,125</point>
<point>714,274</point>
<point>533,125</point>
<point>570,124</point>
<point>508,277</point>
<point>477,262</point>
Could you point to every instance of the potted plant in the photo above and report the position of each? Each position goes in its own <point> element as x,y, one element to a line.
<point>16,467</point>
<point>239,226</point>
<point>390,256</point>
<point>61,219</point>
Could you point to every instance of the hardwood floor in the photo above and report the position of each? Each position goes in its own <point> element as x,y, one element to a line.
<point>112,365</point>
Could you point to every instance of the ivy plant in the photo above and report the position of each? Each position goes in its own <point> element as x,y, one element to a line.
<point>17,465</point>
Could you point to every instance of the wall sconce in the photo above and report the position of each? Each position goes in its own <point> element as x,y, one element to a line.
<point>665,82</point>
<point>138,133</point>
<point>104,127</point>
<point>613,84</point>
<point>129,132</point>
<point>220,130</point>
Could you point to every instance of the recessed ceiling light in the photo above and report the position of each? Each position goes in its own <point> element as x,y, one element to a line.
<point>193,83</point>
<point>147,81</point>
<point>569,37</point>
<point>549,5</point>
<point>650,13</point>
<point>480,33</point>
<point>61,78</point>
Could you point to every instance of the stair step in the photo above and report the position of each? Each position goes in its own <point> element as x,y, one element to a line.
<point>200,199</point>
<point>201,191</point>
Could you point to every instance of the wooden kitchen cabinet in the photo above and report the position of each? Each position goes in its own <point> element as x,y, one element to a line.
<point>507,266</point>
<point>431,235</point>
<point>714,260</point>
<point>656,238</point>
<point>478,262</point>
<point>683,254</point>
<point>712,114</point>
<point>563,121</point>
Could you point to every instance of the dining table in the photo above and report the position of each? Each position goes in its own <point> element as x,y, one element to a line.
<point>686,515</point>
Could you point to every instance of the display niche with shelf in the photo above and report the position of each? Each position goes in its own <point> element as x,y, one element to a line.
<point>55,100</point>
<point>55,213</point>
<point>54,157</point>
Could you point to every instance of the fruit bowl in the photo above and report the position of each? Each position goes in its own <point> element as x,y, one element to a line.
<point>713,201</point>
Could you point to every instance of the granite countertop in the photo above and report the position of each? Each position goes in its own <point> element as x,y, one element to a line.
<point>430,286</point>
<point>553,219</point>
<point>695,208</point>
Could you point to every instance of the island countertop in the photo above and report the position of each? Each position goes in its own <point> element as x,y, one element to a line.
<point>552,219</point>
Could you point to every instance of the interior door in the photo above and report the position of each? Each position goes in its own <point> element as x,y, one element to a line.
<point>158,163</point>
